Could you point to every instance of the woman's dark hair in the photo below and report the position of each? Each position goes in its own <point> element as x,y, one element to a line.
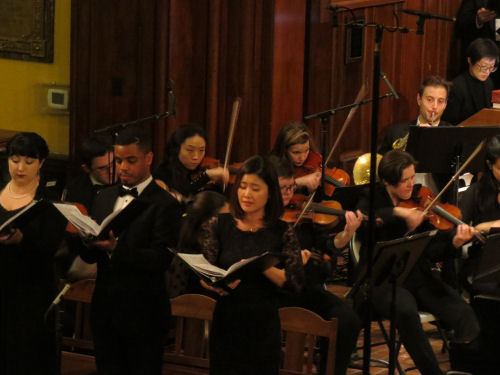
<point>283,167</point>
<point>488,184</point>
<point>28,144</point>
<point>176,169</point>
<point>292,134</point>
<point>481,48</point>
<point>263,168</point>
<point>203,206</point>
<point>392,165</point>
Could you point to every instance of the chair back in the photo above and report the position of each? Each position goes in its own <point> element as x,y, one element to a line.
<point>301,328</point>
<point>189,352</point>
<point>80,293</point>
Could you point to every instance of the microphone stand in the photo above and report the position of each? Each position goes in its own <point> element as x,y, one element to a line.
<point>324,116</point>
<point>367,291</point>
<point>114,129</point>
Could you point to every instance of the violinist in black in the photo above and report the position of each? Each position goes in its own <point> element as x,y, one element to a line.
<point>314,296</point>
<point>421,290</point>
<point>182,170</point>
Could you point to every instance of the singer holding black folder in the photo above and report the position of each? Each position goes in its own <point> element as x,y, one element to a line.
<point>245,336</point>
<point>130,308</point>
<point>27,249</point>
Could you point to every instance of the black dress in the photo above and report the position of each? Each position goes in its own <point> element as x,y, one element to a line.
<point>245,336</point>
<point>27,287</point>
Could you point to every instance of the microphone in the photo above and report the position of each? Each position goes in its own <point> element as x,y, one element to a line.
<point>171,97</point>
<point>428,15</point>
<point>393,92</point>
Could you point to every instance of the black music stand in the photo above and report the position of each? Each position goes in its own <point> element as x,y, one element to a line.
<point>392,263</point>
<point>488,267</point>
<point>443,149</point>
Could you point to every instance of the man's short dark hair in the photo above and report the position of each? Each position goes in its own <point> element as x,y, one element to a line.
<point>94,147</point>
<point>434,81</point>
<point>283,167</point>
<point>134,135</point>
<point>393,164</point>
<point>481,48</point>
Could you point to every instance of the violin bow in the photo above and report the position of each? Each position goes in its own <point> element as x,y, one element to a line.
<point>455,176</point>
<point>352,112</point>
<point>232,124</point>
<point>305,208</point>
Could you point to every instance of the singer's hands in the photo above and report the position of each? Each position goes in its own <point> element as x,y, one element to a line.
<point>14,236</point>
<point>108,244</point>
<point>218,290</point>
<point>484,15</point>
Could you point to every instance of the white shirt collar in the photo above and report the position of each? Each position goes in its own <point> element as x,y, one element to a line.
<point>141,186</point>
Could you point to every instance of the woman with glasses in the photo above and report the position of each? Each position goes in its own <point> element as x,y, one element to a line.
<point>471,91</point>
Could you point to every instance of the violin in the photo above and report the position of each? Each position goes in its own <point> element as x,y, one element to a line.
<point>326,213</point>
<point>422,200</point>
<point>442,216</point>
<point>334,177</point>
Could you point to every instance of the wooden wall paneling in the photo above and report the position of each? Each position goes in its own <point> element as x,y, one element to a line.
<point>288,63</point>
<point>188,22</point>
<point>79,73</point>
<point>161,77</point>
<point>215,71</point>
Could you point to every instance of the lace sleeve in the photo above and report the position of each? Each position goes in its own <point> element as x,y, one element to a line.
<point>294,269</point>
<point>208,240</point>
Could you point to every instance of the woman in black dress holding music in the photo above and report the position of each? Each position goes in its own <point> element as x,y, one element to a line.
<point>27,249</point>
<point>245,337</point>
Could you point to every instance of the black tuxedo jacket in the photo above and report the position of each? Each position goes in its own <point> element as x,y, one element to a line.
<point>130,288</point>
<point>466,21</point>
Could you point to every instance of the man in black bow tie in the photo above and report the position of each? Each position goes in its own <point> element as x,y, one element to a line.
<point>130,307</point>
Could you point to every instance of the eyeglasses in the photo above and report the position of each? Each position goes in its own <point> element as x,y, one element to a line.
<point>288,188</point>
<point>487,69</point>
<point>103,168</point>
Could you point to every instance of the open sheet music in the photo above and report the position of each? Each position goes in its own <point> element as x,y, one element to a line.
<point>115,221</point>
<point>215,275</point>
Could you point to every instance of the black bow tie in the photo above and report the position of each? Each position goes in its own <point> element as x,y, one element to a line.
<point>133,192</point>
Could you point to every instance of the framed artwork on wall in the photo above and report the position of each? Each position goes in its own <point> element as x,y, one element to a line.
<point>27,30</point>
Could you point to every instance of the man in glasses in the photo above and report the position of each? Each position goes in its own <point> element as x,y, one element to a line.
<point>471,90</point>
<point>97,161</point>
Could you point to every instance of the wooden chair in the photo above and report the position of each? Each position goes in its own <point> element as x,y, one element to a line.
<point>300,329</point>
<point>80,293</point>
<point>77,348</point>
<point>189,353</point>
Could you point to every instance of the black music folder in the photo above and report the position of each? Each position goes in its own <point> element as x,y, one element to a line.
<point>23,215</point>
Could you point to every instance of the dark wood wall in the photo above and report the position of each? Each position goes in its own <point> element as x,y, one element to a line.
<point>282,57</point>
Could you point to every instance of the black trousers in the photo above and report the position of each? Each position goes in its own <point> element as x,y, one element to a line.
<point>328,305</point>
<point>438,299</point>
<point>125,346</point>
